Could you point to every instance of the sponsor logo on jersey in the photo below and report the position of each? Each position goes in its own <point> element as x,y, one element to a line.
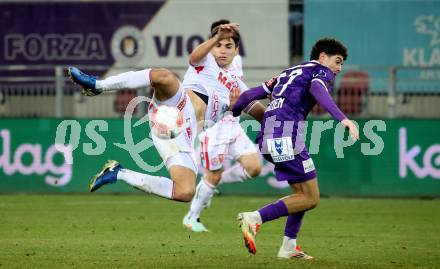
<point>199,69</point>
<point>280,149</point>
<point>321,73</point>
<point>214,106</point>
<point>224,81</point>
<point>308,165</point>
<point>188,129</point>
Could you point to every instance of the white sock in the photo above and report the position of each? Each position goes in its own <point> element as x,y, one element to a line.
<point>255,215</point>
<point>234,174</point>
<point>128,80</point>
<point>204,191</point>
<point>289,243</point>
<point>160,186</point>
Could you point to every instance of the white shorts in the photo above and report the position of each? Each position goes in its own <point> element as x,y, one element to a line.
<point>225,140</point>
<point>180,150</point>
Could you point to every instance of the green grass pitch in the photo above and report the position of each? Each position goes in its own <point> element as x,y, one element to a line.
<point>137,231</point>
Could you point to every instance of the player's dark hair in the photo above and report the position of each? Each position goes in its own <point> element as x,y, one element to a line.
<point>329,46</point>
<point>218,23</point>
<point>214,29</point>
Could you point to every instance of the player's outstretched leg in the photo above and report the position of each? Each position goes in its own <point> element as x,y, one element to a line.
<point>165,82</point>
<point>177,188</point>
<point>87,82</point>
<point>107,175</point>
<point>249,223</point>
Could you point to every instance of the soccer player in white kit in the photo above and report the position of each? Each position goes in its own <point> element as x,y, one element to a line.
<point>196,108</point>
<point>226,138</point>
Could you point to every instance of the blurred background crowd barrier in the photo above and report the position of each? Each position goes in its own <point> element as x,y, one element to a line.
<point>53,95</point>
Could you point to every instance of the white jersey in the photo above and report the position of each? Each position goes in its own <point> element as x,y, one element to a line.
<point>236,70</point>
<point>225,139</point>
<point>236,67</point>
<point>215,82</point>
<point>180,151</point>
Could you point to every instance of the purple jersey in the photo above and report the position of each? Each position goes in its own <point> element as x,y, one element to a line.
<point>291,100</point>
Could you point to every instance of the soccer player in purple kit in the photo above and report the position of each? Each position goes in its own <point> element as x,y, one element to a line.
<point>293,94</point>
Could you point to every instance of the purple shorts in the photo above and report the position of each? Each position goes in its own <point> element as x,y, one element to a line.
<point>298,170</point>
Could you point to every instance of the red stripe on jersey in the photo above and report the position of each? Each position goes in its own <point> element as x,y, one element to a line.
<point>199,69</point>
<point>182,103</point>
<point>206,153</point>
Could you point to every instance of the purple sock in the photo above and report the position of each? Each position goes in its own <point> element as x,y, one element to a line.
<point>293,224</point>
<point>273,211</point>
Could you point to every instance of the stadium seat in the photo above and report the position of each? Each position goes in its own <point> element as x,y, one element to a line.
<point>352,92</point>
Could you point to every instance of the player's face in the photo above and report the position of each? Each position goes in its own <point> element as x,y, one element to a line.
<point>334,62</point>
<point>224,52</point>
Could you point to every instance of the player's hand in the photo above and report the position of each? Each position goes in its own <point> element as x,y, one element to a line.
<point>354,133</point>
<point>226,31</point>
<point>233,97</point>
<point>234,26</point>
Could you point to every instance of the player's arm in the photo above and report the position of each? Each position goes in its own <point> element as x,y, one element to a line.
<point>323,97</point>
<point>202,50</point>
<point>247,97</point>
<point>256,110</point>
<point>250,96</point>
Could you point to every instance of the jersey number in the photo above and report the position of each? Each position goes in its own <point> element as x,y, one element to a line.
<point>292,76</point>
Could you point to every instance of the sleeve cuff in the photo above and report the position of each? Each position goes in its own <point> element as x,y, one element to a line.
<point>265,88</point>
